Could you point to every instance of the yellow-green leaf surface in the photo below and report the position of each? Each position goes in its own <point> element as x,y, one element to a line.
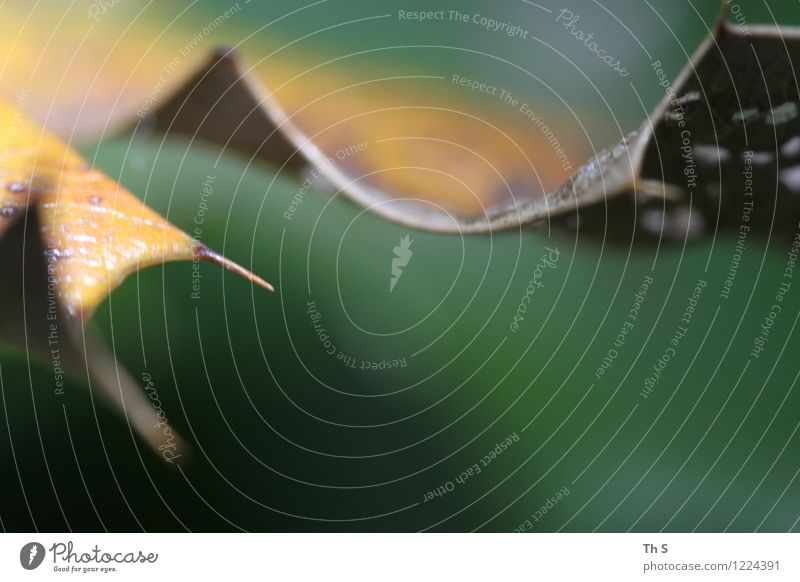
<point>440,152</point>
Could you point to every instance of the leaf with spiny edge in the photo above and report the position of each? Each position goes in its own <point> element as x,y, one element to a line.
<point>70,235</point>
<point>410,145</point>
<point>435,160</point>
<point>303,121</point>
<point>96,231</point>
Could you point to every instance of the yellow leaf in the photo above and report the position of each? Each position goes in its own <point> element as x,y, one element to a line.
<point>423,151</point>
<point>94,230</point>
<point>68,236</point>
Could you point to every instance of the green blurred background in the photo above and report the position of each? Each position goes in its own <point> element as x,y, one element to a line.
<point>288,438</point>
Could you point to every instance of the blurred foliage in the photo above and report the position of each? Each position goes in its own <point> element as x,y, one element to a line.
<point>288,438</point>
